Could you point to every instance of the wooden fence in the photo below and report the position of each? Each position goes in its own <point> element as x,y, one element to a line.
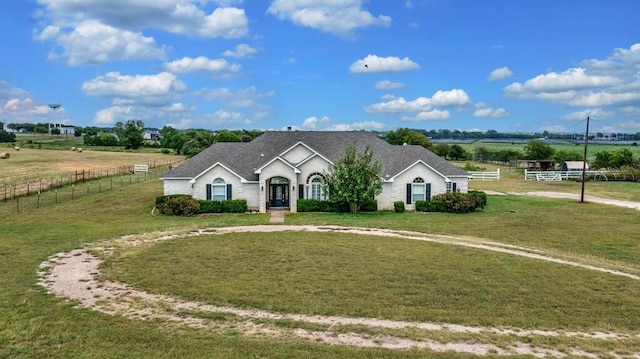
<point>574,175</point>
<point>78,176</point>
<point>485,176</point>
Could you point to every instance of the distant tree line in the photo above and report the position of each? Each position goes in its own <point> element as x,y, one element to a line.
<point>493,134</point>
<point>192,142</point>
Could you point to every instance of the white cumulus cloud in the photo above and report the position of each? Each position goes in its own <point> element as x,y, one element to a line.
<point>241,51</point>
<point>483,110</point>
<point>135,89</point>
<point>313,122</point>
<point>337,17</point>
<point>374,63</point>
<point>188,65</point>
<point>185,17</point>
<point>92,42</point>
<point>500,74</point>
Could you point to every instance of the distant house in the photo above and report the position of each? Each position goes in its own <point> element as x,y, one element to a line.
<point>280,167</point>
<point>574,165</point>
<point>152,135</point>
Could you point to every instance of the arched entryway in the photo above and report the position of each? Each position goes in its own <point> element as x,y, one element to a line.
<point>278,195</point>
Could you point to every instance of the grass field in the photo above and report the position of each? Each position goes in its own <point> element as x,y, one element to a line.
<point>331,274</point>
<point>592,148</point>
<point>35,164</point>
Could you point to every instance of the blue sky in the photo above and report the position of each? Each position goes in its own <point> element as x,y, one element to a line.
<point>519,66</point>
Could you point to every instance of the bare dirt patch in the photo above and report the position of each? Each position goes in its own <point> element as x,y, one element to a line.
<point>74,275</point>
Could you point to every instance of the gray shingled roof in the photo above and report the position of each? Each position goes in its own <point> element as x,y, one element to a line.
<point>244,158</point>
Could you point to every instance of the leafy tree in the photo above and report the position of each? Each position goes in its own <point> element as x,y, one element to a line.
<point>7,136</point>
<point>131,134</point>
<point>441,149</point>
<point>354,178</point>
<point>456,152</point>
<point>603,160</point>
<point>508,155</point>
<point>228,136</point>
<point>621,158</point>
<point>172,138</point>
<point>538,150</point>
<point>407,136</point>
<point>482,154</point>
<point>563,155</point>
<point>41,129</point>
<point>55,131</point>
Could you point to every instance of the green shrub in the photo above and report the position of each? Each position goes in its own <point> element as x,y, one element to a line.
<point>437,205</point>
<point>423,206</point>
<point>180,206</point>
<point>236,205</point>
<point>160,200</point>
<point>228,206</point>
<point>480,198</point>
<point>456,202</point>
<point>368,206</point>
<point>207,206</point>
<point>313,205</point>
<point>398,206</point>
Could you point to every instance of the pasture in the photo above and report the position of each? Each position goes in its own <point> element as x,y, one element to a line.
<point>32,164</point>
<point>333,274</point>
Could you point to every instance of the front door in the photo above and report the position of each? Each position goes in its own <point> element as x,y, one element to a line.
<point>279,194</point>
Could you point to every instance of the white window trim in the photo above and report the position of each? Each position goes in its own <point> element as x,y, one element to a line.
<point>218,184</point>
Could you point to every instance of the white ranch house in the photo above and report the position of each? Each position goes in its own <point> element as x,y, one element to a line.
<point>279,167</point>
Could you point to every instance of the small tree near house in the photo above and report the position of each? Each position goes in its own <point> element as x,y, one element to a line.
<point>354,178</point>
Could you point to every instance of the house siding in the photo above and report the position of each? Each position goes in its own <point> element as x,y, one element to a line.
<point>398,191</point>
<point>177,186</point>
<point>297,154</point>
<point>200,184</point>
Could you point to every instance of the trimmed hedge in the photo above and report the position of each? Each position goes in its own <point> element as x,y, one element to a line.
<point>454,202</point>
<point>228,206</point>
<point>179,206</point>
<point>312,205</point>
<point>398,206</point>
<point>184,204</point>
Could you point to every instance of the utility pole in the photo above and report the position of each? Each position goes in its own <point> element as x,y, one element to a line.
<point>584,161</point>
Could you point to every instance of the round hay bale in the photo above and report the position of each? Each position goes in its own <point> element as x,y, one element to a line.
<point>73,148</point>
<point>4,155</point>
<point>79,150</point>
<point>16,148</point>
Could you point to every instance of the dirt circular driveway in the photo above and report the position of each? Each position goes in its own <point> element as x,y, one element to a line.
<point>74,276</point>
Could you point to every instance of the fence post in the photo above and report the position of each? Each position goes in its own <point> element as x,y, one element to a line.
<point>56,196</point>
<point>38,201</point>
<point>18,204</point>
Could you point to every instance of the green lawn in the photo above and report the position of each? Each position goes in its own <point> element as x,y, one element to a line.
<point>367,276</point>
<point>34,324</point>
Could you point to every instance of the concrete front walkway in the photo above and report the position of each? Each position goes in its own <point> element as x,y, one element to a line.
<point>277,215</point>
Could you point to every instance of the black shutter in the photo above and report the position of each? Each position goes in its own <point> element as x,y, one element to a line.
<point>427,195</point>
<point>300,191</point>
<point>455,187</point>
<point>408,193</point>
<point>208,192</point>
<point>228,191</point>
